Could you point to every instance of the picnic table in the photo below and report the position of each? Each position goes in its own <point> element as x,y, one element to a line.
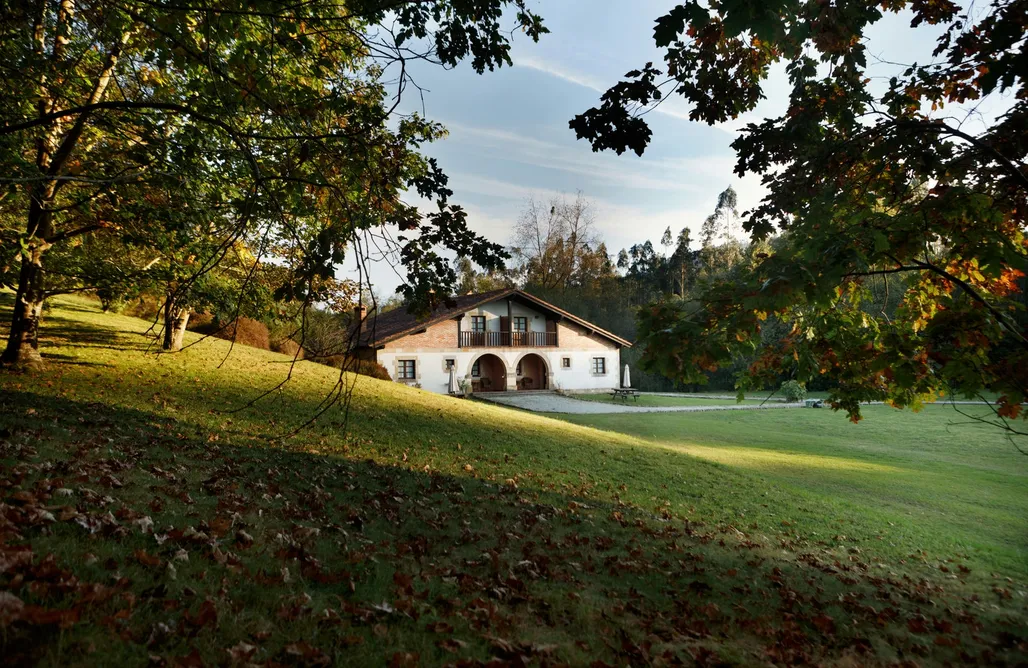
<point>624,393</point>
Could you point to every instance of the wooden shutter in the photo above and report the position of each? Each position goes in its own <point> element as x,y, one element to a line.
<point>504,330</point>
<point>551,333</point>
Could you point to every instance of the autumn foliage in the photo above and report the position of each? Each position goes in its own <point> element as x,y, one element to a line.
<point>356,365</point>
<point>244,331</point>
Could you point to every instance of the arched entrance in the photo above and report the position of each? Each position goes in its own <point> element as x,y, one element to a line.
<point>532,373</point>
<point>488,374</point>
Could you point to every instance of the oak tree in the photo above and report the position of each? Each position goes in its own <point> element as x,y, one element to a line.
<point>869,182</point>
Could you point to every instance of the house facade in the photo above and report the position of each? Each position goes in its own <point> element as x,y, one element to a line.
<point>499,341</point>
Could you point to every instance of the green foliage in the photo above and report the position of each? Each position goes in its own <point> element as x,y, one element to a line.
<point>869,186</point>
<point>190,133</point>
<point>793,390</point>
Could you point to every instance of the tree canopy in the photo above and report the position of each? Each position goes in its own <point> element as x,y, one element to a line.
<point>867,183</point>
<point>272,122</point>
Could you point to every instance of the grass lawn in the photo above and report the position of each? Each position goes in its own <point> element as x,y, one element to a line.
<point>927,481</point>
<point>654,400</point>
<point>148,514</point>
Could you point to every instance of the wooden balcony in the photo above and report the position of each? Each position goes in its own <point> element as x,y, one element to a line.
<point>507,339</point>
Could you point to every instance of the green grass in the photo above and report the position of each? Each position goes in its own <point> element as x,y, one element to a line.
<point>410,524</point>
<point>654,400</point>
<point>927,481</point>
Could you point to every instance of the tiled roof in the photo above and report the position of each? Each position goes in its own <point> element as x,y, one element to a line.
<point>392,325</point>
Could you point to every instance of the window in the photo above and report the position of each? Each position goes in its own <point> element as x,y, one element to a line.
<point>565,362</point>
<point>599,365</point>
<point>520,323</point>
<point>476,369</point>
<point>406,369</point>
<point>478,323</point>
<point>518,370</point>
<point>448,363</point>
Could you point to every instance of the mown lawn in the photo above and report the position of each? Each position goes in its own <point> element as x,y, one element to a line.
<point>932,481</point>
<point>150,516</point>
<point>654,400</point>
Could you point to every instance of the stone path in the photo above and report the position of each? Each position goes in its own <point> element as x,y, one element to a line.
<point>555,403</point>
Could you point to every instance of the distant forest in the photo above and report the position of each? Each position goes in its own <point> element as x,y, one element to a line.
<point>558,255</point>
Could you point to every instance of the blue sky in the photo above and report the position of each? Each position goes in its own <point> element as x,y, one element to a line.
<point>509,138</point>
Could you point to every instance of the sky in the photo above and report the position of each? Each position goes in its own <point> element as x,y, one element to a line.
<point>509,138</point>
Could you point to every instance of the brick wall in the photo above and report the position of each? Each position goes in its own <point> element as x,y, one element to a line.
<point>573,337</point>
<point>443,336</point>
<point>439,335</point>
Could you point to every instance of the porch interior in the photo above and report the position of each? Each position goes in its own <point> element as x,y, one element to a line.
<point>492,375</point>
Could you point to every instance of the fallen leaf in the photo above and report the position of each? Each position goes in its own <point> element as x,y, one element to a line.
<point>11,608</point>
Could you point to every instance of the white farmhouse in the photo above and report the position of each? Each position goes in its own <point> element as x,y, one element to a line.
<point>500,341</point>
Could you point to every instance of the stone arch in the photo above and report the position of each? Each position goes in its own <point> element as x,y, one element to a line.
<point>493,372</point>
<point>541,376</point>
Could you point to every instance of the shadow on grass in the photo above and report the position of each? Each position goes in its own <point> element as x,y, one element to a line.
<point>66,332</point>
<point>383,546</point>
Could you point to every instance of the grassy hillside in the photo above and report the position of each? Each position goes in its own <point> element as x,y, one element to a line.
<point>151,516</point>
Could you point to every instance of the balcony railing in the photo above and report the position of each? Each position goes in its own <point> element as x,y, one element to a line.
<point>507,339</point>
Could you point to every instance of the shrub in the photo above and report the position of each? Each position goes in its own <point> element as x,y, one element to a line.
<point>359,366</point>
<point>244,331</point>
<point>200,322</point>
<point>793,391</point>
<point>325,334</point>
<point>288,347</point>
<point>147,307</point>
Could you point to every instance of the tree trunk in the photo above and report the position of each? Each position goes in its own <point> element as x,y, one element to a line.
<point>175,320</point>
<point>23,343</point>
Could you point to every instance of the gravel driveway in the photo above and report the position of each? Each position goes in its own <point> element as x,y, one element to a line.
<point>555,403</point>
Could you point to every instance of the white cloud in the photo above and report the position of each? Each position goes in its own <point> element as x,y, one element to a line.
<point>664,175</point>
<point>495,188</point>
<point>669,107</point>
<point>559,72</point>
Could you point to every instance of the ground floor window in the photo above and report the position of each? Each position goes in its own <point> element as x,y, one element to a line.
<point>599,365</point>
<point>476,369</point>
<point>406,369</point>
<point>448,364</point>
<point>518,371</point>
<point>565,362</point>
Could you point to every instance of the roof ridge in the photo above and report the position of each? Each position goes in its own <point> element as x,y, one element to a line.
<point>406,323</point>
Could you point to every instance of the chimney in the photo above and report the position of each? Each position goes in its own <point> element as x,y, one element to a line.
<point>361,312</point>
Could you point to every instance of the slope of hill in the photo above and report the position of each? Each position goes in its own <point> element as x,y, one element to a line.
<point>150,514</point>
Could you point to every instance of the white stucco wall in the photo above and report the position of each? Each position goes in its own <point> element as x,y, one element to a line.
<point>432,375</point>
<point>493,311</point>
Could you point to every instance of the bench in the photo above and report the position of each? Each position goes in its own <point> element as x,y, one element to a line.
<point>624,393</point>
